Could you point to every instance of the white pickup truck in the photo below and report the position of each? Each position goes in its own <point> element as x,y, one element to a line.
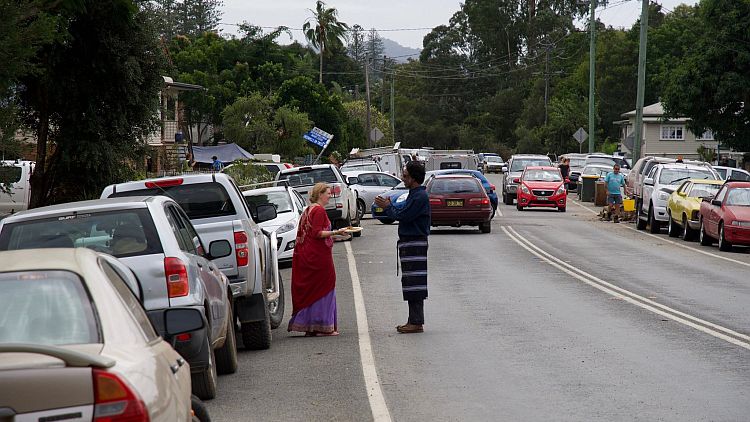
<point>15,186</point>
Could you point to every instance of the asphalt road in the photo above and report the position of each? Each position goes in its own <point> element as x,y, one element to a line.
<point>551,316</point>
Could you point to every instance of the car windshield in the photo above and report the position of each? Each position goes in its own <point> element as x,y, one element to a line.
<point>521,163</point>
<point>703,190</point>
<point>280,200</point>
<point>577,162</point>
<point>46,307</point>
<point>310,177</point>
<point>739,197</point>
<point>493,159</point>
<point>673,176</point>
<point>360,167</point>
<point>601,160</point>
<point>443,186</point>
<point>121,233</point>
<point>199,200</point>
<point>542,176</point>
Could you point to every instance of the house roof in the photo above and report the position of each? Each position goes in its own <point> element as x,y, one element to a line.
<point>180,86</point>
<point>654,110</point>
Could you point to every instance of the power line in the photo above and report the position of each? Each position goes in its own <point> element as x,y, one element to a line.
<point>348,30</point>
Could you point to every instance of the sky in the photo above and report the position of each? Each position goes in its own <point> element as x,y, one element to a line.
<point>391,14</point>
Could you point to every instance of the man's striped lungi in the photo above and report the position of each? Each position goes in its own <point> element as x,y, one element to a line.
<point>412,252</point>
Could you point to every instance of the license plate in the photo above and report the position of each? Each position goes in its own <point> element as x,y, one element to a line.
<point>454,203</point>
<point>378,209</point>
<point>542,197</point>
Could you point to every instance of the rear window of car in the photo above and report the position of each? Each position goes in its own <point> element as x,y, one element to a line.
<point>46,307</point>
<point>493,159</point>
<point>463,185</point>
<point>577,162</point>
<point>198,200</point>
<point>521,163</point>
<point>309,177</point>
<point>281,200</point>
<point>673,176</point>
<point>121,233</point>
<point>703,190</point>
<point>360,167</point>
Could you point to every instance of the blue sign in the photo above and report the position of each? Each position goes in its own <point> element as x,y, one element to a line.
<point>318,137</point>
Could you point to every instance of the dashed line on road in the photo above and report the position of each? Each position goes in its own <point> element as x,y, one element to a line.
<point>710,328</point>
<point>375,395</point>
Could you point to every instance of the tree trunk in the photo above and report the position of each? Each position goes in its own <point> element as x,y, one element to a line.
<point>320,80</point>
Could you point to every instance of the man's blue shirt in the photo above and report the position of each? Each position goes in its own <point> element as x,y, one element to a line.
<point>614,181</point>
<point>413,214</point>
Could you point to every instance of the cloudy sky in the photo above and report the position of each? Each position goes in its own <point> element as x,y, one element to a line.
<point>391,14</point>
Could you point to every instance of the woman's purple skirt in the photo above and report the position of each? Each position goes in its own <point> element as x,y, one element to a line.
<point>319,317</point>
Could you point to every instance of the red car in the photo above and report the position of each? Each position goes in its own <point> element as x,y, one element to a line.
<point>726,216</point>
<point>541,187</point>
<point>459,201</point>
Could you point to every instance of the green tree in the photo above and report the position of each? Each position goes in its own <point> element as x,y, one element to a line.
<point>248,122</point>
<point>357,46</point>
<point>357,111</point>
<point>324,30</point>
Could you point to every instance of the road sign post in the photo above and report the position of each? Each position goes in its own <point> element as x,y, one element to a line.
<point>320,138</point>
<point>580,136</point>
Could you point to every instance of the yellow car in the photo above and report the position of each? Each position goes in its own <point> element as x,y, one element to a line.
<point>684,204</point>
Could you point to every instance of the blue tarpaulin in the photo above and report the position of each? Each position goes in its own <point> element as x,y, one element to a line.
<point>226,153</point>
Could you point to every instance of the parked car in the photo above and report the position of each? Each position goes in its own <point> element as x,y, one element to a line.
<point>457,200</point>
<point>516,165</point>
<point>289,207</point>
<point>493,164</point>
<point>367,185</point>
<point>726,217</point>
<point>609,160</point>
<point>76,344</point>
<point>634,180</point>
<point>542,187</point>
<point>16,176</point>
<point>683,206</point>
<point>154,238</point>
<point>488,187</point>
<point>342,207</point>
<point>398,195</point>
<point>361,164</point>
<point>731,173</point>
<point>218,211</point>
<point>661,181</point>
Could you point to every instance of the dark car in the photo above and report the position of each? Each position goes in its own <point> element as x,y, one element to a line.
<point>488,187</point>
<point>458,200</point>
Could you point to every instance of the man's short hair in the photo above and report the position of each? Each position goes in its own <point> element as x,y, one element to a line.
<point>616,166</point>
<point>416,171</point>
<point>214,158</point>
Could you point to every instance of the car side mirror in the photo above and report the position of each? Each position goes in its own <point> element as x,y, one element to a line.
<point>352,180</point>
<point>265,212</point>
<point>219,249</point>
<point>648,181</point>
<point>716,202</point>
<point>182,320</point>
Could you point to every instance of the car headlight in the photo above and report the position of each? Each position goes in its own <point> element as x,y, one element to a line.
<point>663,196</point>
<point>285,227</point>
<point>741,223</point>
<point>524,189</point>
<point>560,190</point>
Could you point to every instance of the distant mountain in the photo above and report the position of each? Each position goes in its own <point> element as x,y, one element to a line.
<point>402,54</point>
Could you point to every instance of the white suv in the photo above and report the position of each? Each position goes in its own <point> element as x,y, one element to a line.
<point>660,182</point>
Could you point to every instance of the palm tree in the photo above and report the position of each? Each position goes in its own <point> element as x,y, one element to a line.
<point>328,31</point>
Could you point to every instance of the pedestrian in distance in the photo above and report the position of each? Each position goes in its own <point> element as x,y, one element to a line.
<point>565,170</point>
<point>614,181</point>
<point>413,216</point>
<point>313,272</point>
<point>216,165</point>
<point>189,163</point>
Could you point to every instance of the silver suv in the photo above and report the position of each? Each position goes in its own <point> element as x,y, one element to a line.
<point>154,238</point>
<point>516,165</point>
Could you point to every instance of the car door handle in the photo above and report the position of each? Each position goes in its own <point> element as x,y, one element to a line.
<point>178,364</point>
<point>199,264</point>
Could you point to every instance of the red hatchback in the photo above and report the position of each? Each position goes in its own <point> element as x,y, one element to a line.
<point>459,201</point>
<point>541,187</point>
<point>726,216</point>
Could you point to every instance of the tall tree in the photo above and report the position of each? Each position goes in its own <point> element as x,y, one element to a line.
<point>357,44</point>
<point>324,30</point>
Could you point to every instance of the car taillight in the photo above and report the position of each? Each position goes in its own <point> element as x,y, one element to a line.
<point>435,201</point>
<point>242,252</point>
<point>177,278</point>
<point>479,201</point>
<point>335,190</point>
<point>287,165</point>
<point>164,183</point>
<point>115,401</point>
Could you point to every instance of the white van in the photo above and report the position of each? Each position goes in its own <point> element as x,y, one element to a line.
<point>15,191</point>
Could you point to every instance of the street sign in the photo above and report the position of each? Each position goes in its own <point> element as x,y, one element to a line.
<point>376,134</point>
<point>580,135</point>
<point>318,137</point>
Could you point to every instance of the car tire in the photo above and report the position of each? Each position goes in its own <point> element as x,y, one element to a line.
<point>519,207</point>
<point>507,199</point>
<point>653,225</point>
<point>204,383</point>
<point>562,209</point>
<point>703,237</point>
<point>226,355</point>
<point>494,210</point>
<point>276,307</point>
<point>485,227</point>
<point>673,230</point>
<point>723,244</point>
<point>200,413</point>
<point>360,209</point>
<point>256,335</point>
<point>387,221</point>
<point>687,233</point>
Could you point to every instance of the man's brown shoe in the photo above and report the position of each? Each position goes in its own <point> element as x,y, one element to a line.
<point>410,329</point>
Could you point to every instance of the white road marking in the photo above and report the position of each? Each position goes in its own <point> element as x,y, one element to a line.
<point>374,391</point>
<point>583,206</point>
<point>712,329</point>
<point>499,213</point>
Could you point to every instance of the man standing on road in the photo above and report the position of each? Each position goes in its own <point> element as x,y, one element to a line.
<point>413,216</point>
<point>614,180</point>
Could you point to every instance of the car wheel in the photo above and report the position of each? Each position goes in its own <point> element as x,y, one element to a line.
<point>204,383</point>
<point>485,227</point>
<point>200,413</point>
<point>226,355</point>
<point>653,225</point>
<point>640,223</point>
<point>387,221</point>
<point>723,244</point>
<point>673,230</point>
<point>494,210</point>
<point>508,199</point>
<point>360,209</point>
<point>519,207</point>
<point>687,232</point>
<point>256,335</point>
<point>704,238</point>
<point>276,307</point>
<point>562,209</point>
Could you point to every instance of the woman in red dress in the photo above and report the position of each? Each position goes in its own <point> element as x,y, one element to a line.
<point>313,273</point>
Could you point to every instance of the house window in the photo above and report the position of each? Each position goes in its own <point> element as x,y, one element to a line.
<point>672,133</point>
<point>707,136</point>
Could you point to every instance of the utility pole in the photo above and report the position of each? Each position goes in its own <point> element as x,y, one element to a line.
<point>382,88</point>
<point>640,92</point>
<point>393,107</point>
<point>367,92</point>
<point>592,81</point>
<point>356,92</point>
<point>546,83</point>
